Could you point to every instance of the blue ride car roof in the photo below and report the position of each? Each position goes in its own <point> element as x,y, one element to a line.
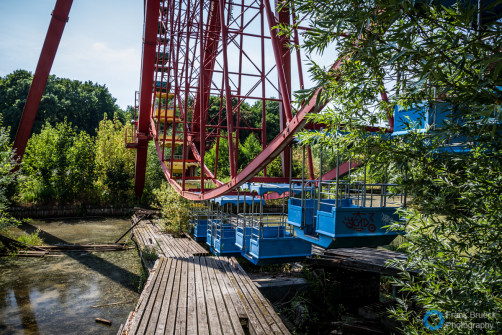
<point>280,188</point>
<point>263,188</point>
<point>234,199</point>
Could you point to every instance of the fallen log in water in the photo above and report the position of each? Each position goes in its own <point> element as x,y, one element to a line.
<point>28,253</point>
<point>87,247</point>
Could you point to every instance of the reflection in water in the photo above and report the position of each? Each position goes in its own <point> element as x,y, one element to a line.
<point>54,295</point>
<point>25,309</point>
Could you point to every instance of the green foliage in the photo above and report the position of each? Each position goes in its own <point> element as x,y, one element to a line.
<point>83,104</point>
<point>62,165</point>
<point>154,175</point>
<point>7,179</point>
<point>419,53</point>
<point>143,278</point>
<point>58,165</point>
<point>149,253</point>
<point>32,239</point>
<point>248,151</point>
<point>223,160</point>
<point>114,164</point>
<point>175,210</point>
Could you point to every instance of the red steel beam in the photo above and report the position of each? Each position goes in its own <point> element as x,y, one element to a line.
<point>228,93</point>
<point>49,49</point>
<point>281,70</point>
<point>283,18</point>
<point>146,88</point>
<point>343,169</point>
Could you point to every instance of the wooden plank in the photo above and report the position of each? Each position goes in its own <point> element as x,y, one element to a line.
<point>264,300</point>
<point>260,311</point>
<point>161,324</point>
<point>264,306</point>
<point>232,292</point>
<point>142,310</point>
<point>185,244</point>
<point>227,300</point>
<point>173,244</point>
<point>152,298</point>
<point>212,312</point>
<point>163,244</point>
<point>157,306</point>
<point>202,319</point>
<point>256,321</point>
<point>173,306</point>
<point>192,299</point>
<point>225,322</point>
<point>181,317</point>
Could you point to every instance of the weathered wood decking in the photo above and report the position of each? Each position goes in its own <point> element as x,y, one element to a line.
<point>191,294</point>
<point>150,235</point>
<point>361,259</point>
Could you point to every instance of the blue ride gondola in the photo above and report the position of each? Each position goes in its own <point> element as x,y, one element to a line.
<point>221,227</point>
<point>265,238</point>
<point>200,213</point>
<point>340,214</point>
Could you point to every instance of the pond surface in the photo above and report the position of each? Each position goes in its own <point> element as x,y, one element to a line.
<point>54,295</point>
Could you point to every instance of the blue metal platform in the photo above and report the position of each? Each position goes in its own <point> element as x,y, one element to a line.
<point>221,237</point>
<point>200,213</point>
<point>358,217</point>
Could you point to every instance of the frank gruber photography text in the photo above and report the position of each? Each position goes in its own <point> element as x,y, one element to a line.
<point>435,320</point>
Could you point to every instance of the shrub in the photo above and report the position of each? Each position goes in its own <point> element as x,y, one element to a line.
<point>175,210</point>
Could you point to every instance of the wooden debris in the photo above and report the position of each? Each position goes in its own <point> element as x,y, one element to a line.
<point>86,247</point>
<point>135,220</point>
<point>112,304</point>
<point>104,321</point>
<point>363,259</point>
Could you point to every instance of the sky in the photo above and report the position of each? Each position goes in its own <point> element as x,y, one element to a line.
<point>101,42</point>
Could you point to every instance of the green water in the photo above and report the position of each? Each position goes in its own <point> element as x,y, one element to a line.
<point>54,295</point>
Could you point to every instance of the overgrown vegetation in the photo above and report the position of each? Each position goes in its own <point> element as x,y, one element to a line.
<point>149,253</point>
<point>32,239</point>
<point>63,166</point>
<point>7,179</point>
<point>439,57</point>
<point>174,209</point>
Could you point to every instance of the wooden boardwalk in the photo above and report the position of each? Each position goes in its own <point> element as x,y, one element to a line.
<point>149,235</point>
<point>191,294</point>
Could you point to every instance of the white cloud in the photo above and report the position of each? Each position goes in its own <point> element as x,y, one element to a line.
<point>84,59</point>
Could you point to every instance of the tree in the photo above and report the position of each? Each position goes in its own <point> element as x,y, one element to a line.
<point>114,164</point>
<point>7,178</point>
<point>154,175</point>
<point>175,210</point>
<point>223,160</point>
<point>83,104</point>
<point>439,56</point>
<point>58,166</point>
<point>249,150</point>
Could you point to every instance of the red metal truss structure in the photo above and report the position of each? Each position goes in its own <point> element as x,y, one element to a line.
<point>202,62</point>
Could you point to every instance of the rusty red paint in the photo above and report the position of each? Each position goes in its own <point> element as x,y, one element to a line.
<point>49,49</point>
